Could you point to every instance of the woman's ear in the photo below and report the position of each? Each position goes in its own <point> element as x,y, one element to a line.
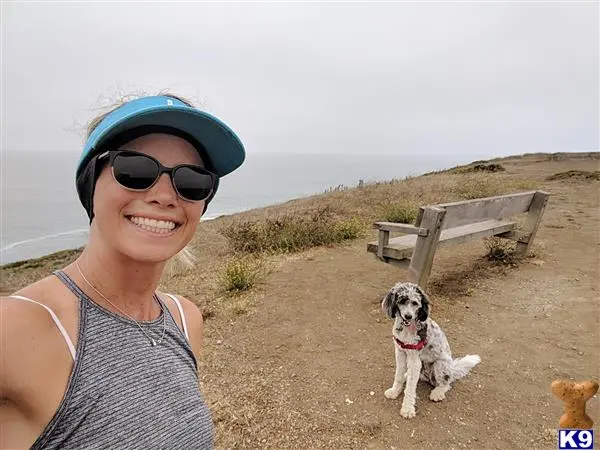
<point>388,305</point>
<point>423,312</point>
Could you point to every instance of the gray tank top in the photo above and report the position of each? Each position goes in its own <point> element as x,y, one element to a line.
<point>124,393</point>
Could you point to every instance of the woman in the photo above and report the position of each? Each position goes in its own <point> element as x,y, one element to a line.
<point>93,356</point>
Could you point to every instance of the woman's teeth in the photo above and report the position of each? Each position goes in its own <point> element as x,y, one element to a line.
<point>156,226</point>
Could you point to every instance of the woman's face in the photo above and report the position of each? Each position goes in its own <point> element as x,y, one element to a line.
<point>153,225</point>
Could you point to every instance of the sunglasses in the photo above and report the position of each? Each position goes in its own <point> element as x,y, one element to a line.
<point>139,172</point>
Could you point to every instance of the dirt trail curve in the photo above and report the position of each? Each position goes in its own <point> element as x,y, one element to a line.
<point>308,366</point>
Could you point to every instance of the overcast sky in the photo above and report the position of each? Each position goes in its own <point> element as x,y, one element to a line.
<point>477,79</point>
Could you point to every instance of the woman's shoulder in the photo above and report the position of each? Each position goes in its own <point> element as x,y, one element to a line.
<point>191,314</point>
<point>190,309</point>
<point>48,291</point>
<point>20,311</point>
<point>35,309</point>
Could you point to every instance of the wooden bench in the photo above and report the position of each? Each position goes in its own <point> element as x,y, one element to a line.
<point>456,223</point>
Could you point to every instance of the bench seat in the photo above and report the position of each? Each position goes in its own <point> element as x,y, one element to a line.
<point>400,248</point>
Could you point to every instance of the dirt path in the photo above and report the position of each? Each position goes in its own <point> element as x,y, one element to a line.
<point>307,367</point>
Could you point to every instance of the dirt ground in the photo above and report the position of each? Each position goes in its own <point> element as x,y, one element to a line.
<point>307,366</point>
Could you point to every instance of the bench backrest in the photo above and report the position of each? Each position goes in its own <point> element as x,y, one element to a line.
<point>481,209</point>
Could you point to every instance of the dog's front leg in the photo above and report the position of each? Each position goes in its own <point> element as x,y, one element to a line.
<point>393,392</point>
<point>413,361</point>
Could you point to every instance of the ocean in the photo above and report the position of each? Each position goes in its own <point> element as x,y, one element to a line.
<point>41,213</point>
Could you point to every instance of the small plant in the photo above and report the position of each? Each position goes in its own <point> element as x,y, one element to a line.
<point>400,212</point>
<point>500,250</point>
<point>241,274</point>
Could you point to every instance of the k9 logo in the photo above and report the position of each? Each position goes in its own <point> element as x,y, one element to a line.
<point>575,439</point>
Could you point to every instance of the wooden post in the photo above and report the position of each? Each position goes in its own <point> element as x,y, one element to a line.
<point>534,218</point>
<point>384,239</point>
<point>419,216</point>
<point>422,257</point>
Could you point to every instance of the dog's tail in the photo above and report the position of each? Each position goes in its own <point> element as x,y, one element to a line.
<point>462,366</point>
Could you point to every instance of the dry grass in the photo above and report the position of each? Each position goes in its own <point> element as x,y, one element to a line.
<point>293,232</point>
<point>577,175</point>
<point>479,166</point>
<point>501,250</point>
<point>400,212</point>
<point>368,202</point>
<point>474,167</point>
<point>238,304</point>
<point>480,186</point>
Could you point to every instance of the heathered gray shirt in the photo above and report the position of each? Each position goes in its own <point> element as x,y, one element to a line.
<point>123,392</point>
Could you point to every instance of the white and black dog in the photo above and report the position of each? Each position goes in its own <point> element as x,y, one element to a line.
<point>422,350</point>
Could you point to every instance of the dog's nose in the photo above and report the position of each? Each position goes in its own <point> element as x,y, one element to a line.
<point>408,316</point>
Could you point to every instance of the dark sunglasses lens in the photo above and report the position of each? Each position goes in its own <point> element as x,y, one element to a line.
<point>193,184</point>
<point>135,171</point>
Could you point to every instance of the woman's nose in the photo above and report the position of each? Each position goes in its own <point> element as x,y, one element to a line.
<point>163,192</point>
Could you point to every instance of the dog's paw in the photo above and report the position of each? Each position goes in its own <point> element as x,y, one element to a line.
<point>408,412</point>
<point>437,395</point>
<point>392,393</point>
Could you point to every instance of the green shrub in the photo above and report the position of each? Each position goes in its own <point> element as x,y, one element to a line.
<point>241,274</point>
<point>400,212</point>
<point>292,232</point>
<point>348,230</point>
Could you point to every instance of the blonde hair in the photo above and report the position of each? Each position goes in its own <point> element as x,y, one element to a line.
<point>182,261</point>
<point>120,102</point>
<point>185,258</point>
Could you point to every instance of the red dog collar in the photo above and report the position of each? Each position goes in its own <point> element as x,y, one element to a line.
<point>417,346</point>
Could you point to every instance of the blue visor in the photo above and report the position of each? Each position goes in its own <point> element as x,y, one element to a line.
<point>219,143</point>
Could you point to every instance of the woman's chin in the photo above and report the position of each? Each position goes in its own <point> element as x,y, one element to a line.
<point>151,254</point>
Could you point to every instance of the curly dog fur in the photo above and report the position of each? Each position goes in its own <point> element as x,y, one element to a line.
<point>408,305</point>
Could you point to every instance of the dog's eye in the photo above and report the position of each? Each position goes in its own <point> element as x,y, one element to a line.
<point>415,303</point>
<point>403,301</point>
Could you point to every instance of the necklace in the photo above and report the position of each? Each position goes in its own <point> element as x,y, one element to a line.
<point>152,340</point>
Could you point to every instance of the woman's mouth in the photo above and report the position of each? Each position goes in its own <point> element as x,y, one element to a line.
<point>153,225</point>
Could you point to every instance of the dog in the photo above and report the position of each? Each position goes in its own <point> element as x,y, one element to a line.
<point>422,350</point>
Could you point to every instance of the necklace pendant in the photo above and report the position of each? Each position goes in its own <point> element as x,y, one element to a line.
<point>153,343</point>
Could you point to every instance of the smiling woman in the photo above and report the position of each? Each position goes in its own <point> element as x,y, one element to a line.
<point>94,356</point>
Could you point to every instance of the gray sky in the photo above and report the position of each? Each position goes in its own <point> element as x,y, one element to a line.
<point>416,78</point>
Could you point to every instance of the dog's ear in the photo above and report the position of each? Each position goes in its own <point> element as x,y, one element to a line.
<point>423,312</point>
<point>388,305</point>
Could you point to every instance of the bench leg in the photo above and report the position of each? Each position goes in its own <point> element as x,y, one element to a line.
<point>422,257</point>
<point>534,218</point>
<point>384,239</point>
